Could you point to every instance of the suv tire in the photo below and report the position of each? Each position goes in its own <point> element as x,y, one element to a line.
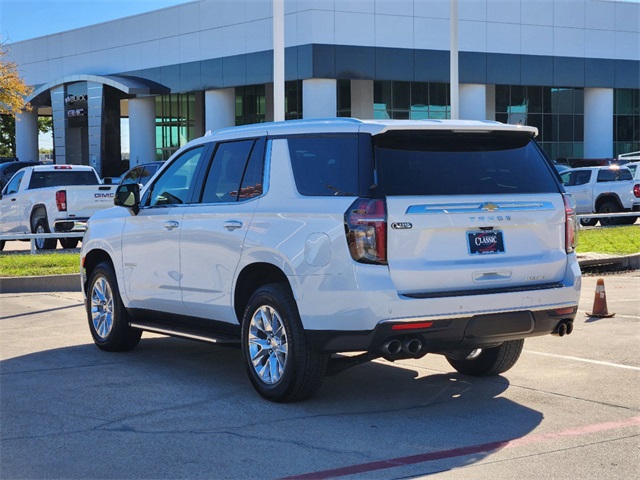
<point>108,319</point>
<point>279,361</point>
<point>491,361</point>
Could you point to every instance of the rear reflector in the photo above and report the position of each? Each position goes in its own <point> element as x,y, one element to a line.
<point>564,311</point>
<point>412,326</point>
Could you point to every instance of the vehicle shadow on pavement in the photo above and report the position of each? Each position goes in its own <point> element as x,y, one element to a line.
<point>187,408</point>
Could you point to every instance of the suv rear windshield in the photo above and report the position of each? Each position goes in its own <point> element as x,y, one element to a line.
<point>445,163</point>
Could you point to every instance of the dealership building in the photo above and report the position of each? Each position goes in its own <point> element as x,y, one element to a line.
<point>569,67</point>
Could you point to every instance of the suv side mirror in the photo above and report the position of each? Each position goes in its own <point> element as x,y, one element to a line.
<point>128,196</point>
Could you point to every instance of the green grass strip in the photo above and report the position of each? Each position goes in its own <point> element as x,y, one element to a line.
<point>611,240</point>
<point>27,265</point>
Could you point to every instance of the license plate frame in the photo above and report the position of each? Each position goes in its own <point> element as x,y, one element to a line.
<point>485,242</point>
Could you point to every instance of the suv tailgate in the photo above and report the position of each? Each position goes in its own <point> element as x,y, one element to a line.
<point>470,243</point>
<point>469,211</point>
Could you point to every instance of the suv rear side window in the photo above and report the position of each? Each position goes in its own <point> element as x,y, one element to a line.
<point>229,165</point>
<point>443,163</point>
<point>325,165</point>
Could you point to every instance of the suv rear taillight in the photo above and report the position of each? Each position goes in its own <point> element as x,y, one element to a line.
<point>366,229</point>
<point>61,200</point>
<point>636,190</point>
<point>571,224</point>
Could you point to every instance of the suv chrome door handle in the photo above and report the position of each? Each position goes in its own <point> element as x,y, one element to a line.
<point>232,225</point>
<point>171,225</point>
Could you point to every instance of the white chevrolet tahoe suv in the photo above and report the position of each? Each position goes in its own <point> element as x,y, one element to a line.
<point>302,240</point>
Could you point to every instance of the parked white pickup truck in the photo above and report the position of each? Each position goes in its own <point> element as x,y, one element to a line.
<point>52,198</point>
<point>603,190</point>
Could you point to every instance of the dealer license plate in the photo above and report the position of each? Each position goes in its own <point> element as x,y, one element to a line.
<point>485,242</point>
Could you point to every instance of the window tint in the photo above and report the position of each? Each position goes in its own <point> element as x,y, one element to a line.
<point>132,177</point>
<point>148,172</point>
<point>325,165</point>
<point>57,178</point>
<point>580,177</point>
<point>432,163</point>
<point>252,179</point>
<point>175,185</point>
<point>14,185</point>
<point>614,175</point>
<point>224,177</point>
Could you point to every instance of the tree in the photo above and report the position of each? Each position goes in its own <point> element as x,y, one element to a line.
<point>13,90</point>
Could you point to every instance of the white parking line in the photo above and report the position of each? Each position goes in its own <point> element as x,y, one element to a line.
<point>585,360</point>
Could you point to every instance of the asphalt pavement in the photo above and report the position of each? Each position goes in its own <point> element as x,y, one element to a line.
<point>570,408</point>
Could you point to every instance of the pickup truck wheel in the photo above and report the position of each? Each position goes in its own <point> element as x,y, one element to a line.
<point>609,207</point>
<point>588,222</point>
<point>44,243</point>
<point>69,242</point>
<point>279,361</point>
<point>108,319</point>
<point>489,361</point>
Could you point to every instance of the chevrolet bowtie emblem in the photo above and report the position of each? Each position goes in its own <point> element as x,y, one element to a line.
<point>490,207</point>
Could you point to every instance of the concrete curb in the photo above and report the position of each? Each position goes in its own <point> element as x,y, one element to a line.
<point>48,283</point>
<point>71,283</point>
<point>631,262</point>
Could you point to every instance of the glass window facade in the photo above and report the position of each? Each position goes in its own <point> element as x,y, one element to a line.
<point>558,113</point>
<point>411,100</point>
<point>175,123</point>
<point>293,100</point>
<point>626,120</point>
<point>344,98</point>
<point>250,104</point>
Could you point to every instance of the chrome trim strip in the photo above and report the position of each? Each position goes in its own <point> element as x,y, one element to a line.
<point>478,207</point>
<point>176,333</point>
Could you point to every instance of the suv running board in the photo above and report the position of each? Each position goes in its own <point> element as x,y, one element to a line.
<point>185,332</point>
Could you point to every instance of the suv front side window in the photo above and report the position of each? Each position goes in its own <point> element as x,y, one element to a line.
<point>175,185</point>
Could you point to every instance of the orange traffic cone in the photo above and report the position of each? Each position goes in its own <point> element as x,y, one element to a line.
<point>600,302</point>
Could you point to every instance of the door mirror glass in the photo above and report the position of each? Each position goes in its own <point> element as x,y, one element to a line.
<point>128,196</point>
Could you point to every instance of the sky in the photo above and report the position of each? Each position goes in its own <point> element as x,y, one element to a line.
<point>25,19</point>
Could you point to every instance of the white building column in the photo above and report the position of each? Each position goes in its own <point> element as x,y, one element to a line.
<point>27,136</point>
<point>362,99</point>
<point>319,98</point>
<point>598,122</point>
<point>219,108</point>
<point>473,101</point>
<point>142,130</point>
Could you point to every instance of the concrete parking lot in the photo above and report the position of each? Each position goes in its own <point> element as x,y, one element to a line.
<point>171,408</point>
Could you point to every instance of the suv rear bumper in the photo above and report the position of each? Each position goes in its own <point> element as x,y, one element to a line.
<point>447,334</point>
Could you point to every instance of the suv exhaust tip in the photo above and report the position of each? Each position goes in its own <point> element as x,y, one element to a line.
<point>565,327</point>
<point>392,347</point>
